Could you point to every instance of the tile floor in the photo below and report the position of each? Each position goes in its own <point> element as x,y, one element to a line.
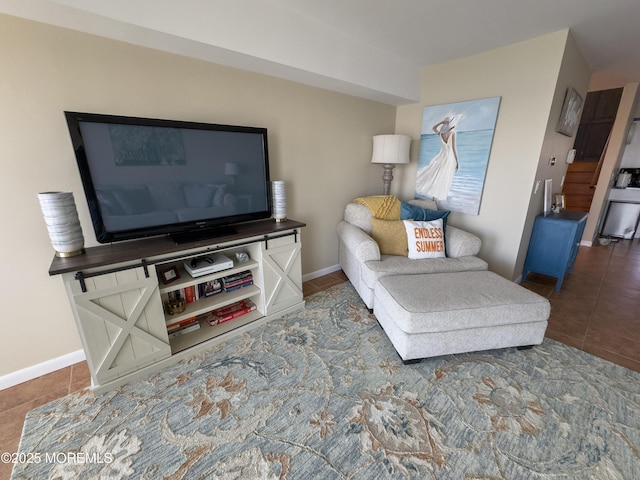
<point>596,311</point>
<point>598,308</point>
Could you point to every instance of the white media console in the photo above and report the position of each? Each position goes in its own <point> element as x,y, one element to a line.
<point>116,292</point>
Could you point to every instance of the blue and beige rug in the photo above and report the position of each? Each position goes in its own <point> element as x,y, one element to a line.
<point>322,394</point>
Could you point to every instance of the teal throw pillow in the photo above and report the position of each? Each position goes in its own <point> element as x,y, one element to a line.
<point>413,212</point>
<point>409,211</point>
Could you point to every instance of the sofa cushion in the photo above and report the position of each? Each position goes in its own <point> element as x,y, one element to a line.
<point>425,239</point>
<point>198,195</point>
<point>167,195</point>
<point>134,200</point>
<point>374,270</point>
<point>109,205</point>
<point>219,194</point>
<point>390,235</point>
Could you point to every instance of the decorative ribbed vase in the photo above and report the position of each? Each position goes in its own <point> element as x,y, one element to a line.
<point>63,224</point>
<point>279,194</point>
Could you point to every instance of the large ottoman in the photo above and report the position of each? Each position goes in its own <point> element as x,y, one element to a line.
<point>440,314</point>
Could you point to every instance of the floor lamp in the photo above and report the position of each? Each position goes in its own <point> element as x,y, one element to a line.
<point>390,150</point>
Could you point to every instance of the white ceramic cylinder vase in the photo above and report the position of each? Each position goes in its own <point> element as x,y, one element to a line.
<point>61,217</point>
<point>279,195</point>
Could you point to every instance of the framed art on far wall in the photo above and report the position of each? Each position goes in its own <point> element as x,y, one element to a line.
<point>570,115</point>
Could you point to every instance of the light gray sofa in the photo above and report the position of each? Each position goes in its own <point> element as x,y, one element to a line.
<point>360,258</point>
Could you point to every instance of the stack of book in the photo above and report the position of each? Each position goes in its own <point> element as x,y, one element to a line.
<point>209,288</point>
<point>239,280</point>
<point>183,326</point>
<point>224,314</point>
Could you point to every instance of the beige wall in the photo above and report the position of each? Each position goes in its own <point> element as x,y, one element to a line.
<point>531,77</point>
<point>320,144</point>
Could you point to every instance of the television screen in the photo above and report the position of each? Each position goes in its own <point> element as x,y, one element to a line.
<point>145,177</point>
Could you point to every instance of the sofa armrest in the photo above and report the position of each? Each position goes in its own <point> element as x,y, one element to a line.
<point>460,243</point>
<point>361,245</point>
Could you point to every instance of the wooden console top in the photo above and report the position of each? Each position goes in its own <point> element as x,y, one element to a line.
<point>150,247</point>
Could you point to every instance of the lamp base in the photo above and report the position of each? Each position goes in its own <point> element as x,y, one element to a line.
<point>387,176</point>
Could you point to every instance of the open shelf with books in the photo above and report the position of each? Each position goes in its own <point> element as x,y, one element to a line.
<point>207,332</point>
<point>200,295</point>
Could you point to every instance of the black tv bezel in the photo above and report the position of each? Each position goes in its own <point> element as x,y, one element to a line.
<point>180,232</point>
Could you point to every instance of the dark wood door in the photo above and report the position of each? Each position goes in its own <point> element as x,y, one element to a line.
<point>596,122</point>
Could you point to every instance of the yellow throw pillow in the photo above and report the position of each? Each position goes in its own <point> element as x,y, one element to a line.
<point>390,235</point>
<point>425,239</point>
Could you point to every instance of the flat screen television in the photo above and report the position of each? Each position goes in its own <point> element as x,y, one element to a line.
<point>146,177</point>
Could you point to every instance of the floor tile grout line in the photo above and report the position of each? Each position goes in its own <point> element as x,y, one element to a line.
<point>598,295</point>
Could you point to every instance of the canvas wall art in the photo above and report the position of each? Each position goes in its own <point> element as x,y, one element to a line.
<point>570,115</point>
<point>143,146</point>
<point>455,144</point>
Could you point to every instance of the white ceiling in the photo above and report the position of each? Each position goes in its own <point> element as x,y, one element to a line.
<point>370,48</point>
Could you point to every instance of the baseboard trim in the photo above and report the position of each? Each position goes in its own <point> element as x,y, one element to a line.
<point>320,273</point>
<point>14,378</point>
<point>35,371</point>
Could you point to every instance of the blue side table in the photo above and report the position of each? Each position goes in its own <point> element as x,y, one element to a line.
<point>554,244</point>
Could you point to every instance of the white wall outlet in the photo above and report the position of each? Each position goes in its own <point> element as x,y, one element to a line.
<point>571,155</point>
<point>552,161</point>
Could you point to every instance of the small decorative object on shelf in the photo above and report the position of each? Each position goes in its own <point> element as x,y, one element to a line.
<point>63,224</point>
<point>169,275</point>
<point>279,200</point>
<point>175,304</point>
<point>242,257</point>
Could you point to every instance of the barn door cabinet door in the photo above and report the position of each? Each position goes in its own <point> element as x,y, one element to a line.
<point>120,321</point>
<point>281,266</point>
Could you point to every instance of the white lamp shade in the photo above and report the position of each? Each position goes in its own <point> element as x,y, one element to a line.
<point>391,149</point>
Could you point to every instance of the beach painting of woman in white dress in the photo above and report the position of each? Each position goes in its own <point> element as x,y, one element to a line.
<point>455,144</point>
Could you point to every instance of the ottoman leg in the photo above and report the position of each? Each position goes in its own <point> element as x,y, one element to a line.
<point>412,361</point>
<point>409,362</point>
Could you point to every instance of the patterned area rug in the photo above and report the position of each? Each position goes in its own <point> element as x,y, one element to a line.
<point>321,393</point>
